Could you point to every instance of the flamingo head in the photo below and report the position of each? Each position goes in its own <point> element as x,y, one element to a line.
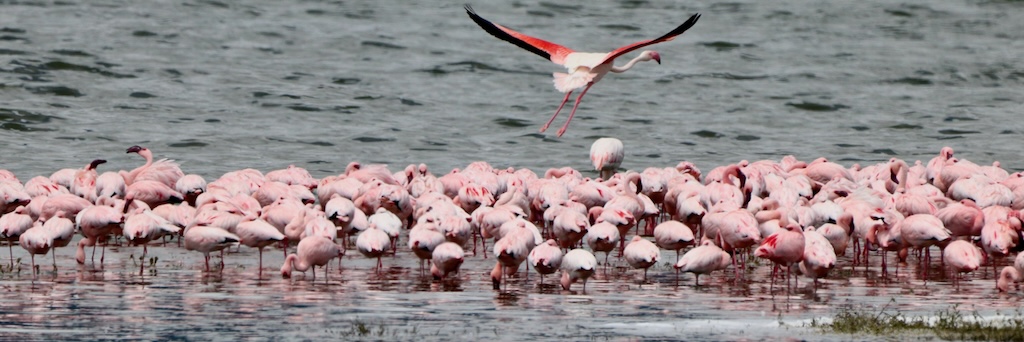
<point>651,55</point>
<point>135,149</point>
<point>95,163</point>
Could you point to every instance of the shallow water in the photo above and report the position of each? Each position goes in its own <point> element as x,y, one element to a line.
<point>114,300</point>
<point>220,86</point>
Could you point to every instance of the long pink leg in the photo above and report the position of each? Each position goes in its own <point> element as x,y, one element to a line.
<point>573,112</point>
<point>566,99</point>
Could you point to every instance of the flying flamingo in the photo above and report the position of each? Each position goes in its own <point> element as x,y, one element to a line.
<point>585,68</point>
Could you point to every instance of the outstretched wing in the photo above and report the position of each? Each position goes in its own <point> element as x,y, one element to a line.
<point>664,38</point>
<point>551,51</point>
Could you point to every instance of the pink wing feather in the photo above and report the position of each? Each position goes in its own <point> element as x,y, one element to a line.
<point>551,51</point>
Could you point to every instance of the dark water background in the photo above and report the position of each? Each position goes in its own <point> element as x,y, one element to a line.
<point>221,86</point>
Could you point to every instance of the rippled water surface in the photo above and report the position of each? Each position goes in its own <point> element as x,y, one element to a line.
<point>220,86</point>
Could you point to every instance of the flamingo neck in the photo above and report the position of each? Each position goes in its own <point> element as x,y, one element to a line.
<point>129,177</point>
<point>286,269</point>
<point>628,65</point>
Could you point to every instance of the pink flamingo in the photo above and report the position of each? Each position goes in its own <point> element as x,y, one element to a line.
<point>12,225</point>
<point>641,253</point>
<point>163,171</point>
<point>257,233</point>
<point>110,184</point>
<point>446,259</point>
<point>603,237</point>
<point>962,218</point>
<point>312,251</point>
<point>36,240</point>
<point>784,248</point>
<point>97,223</point>
<point>144,226</point>
<point>67,203</point>
<point>819,256</point>
<point>42,186</point>
<point>191,186</point>
<point>512,250</point>
<point>1008,275</point>
<point>341,211</point>
<point>673,236</point>
<point>961,257</point>
<point>569,228</point>
<point>703,259</point>
<point>293,175</point>
<point>153,193</point>
<point>13,195</point>
<point>922,231</point>
<point>546,258</point>
<point>585,68</point>
<point>61,231</point>
<point>373,243</point>
<point>606,154</point>
<point>206,239</point>
<point>423,238</point>
<point>577,264</point>
<point>84,183</point>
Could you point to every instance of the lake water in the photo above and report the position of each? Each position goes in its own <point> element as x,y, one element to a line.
<point>221,86</point>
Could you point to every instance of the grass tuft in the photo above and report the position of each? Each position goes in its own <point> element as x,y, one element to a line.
<point>948,324</point>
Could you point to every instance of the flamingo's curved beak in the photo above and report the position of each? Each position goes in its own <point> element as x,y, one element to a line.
<point>656,57</point>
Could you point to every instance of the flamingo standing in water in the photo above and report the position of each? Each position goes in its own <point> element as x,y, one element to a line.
<point>606,154</point>
<point>312,251</point>
<point>585,68</point>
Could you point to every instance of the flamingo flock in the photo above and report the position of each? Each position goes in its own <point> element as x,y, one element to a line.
<point>799,216</point>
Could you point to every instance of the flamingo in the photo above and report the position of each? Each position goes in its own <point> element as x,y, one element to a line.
<point>819,256</point>
<point>164,170</point>
<point>373,243</point>
<point>602,237</point>
<point>1006,276</point>
<point>546,258</point>
<point>36,240</point>
<point>257,233</point>
<point>12,225</point>
<point>673,235</point>
<point>577,264</point>
<point>606,154</point>
<point>97,223</point>
<point>312,251</point>
<point>207,239</point>
<point>641,253</point>
<point>784,248</point>
<point>703,259</point>
<point>446,259</point>
<point>962,257</point>
<point>585,68</point>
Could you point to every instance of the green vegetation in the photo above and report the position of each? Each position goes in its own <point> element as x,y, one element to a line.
<point>948,324</point>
